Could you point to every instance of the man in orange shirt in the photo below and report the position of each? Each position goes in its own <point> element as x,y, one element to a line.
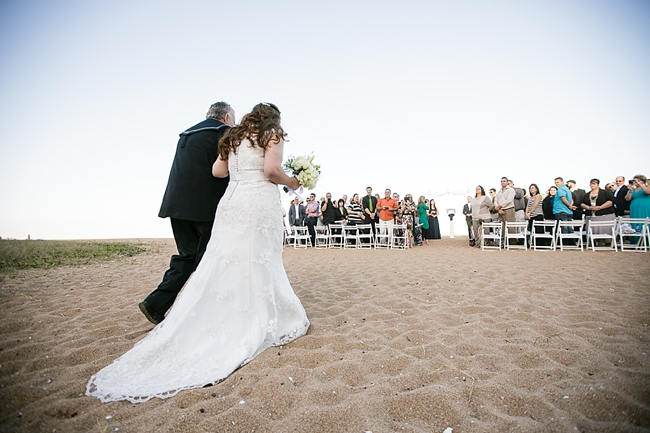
<point>387,207</point>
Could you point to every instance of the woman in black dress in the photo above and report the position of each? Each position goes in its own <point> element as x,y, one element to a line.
<point>434,226</point>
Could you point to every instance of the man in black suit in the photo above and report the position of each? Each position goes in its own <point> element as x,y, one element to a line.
<point>297,213</point>
<point>190,202</point>
<point>369,205</point>
<point>621,206</point>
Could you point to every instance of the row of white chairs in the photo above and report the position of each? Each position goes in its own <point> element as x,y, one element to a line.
<point>349,236</point>
<point>626,234</point>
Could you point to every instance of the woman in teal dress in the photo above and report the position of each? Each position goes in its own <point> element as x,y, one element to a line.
<point>639,194</point>
<point>423,216</point>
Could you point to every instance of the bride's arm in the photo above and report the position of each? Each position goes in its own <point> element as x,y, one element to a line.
<point>220,168</point>
<point>273,166</point>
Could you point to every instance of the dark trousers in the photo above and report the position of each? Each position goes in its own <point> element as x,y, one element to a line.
<point>468,221</point>
<point>372,222</point>
<point>310,222</point>
<point>191,239</point>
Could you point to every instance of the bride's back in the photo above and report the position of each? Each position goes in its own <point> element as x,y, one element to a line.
<point>247,159</point>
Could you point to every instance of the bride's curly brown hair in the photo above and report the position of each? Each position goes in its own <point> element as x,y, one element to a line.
<point>261,126</point>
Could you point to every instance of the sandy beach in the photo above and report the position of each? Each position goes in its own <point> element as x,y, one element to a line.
<point>401,341</point>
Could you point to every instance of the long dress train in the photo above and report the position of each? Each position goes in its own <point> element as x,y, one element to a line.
<point>237,303</point>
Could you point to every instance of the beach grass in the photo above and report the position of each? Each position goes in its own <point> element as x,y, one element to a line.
<point>24,254</point>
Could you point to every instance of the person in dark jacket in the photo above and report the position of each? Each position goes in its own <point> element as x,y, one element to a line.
<point>190,202</point>
<point>547,203</point>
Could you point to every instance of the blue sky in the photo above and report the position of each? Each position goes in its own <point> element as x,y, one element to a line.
<point>425,97</point>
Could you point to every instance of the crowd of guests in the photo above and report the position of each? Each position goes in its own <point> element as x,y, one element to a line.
<point>381,213</point>
<point>561,202</point>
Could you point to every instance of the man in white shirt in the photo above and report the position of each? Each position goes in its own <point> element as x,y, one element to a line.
<point>505,205</point>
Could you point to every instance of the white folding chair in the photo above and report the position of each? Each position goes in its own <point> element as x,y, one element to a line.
<point>492,233</point>
<point>350,238</point>
<point>399,238</point>
<point>301,237</point>
<point>606,231</point>
<point>289,236</point>
<point>382,236</point>
<point>335,239</point>
<point>570,230</point>
<point>635,230</point>
<point>543,230</point>
<point>516,230</point>
<point>365,236</point>
<point>322,236</point>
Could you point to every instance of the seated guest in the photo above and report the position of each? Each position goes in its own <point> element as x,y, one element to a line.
<point>481,205</point>
<point>598,205</point>
<point>341,212</point>
<point>534,209</point>
<point>355,212</point>
<point>547,203</point>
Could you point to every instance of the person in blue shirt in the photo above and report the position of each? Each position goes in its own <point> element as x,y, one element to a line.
<point>563,206</point>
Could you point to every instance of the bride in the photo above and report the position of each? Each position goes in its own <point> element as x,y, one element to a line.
<point>239,301</point>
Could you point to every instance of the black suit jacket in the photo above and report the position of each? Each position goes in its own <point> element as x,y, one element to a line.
<point>192,192</point>
<point>365,205</point>
<point>620,204</point>
<point>302,212</point>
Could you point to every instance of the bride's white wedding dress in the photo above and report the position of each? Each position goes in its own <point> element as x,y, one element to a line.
<point>237,303</point>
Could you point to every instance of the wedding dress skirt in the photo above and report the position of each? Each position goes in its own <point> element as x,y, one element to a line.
<point>237,303</point>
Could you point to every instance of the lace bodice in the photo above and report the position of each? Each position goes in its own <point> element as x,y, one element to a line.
<point>247,162</point>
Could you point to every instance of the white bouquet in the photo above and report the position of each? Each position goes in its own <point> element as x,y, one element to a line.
<point>304,169</point>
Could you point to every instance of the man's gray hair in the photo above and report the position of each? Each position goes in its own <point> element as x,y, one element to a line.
<point>218,110</point>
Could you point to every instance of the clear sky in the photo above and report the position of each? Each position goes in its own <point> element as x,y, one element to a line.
<point>425,97</point>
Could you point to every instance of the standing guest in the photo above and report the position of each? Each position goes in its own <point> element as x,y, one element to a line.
<point>398,212</point>
<point>369,205</point>
<point>563,206</point>
<point>408,217</point>
<point>547,203</point>
<point>493,211</point>
<point>355,212</point>
<point>578,195</point>
<point>297,213</point>
<point>519,201</point>
<point>387,207</point>
<point>621,206</point>
<point>639,197</point>
<point>434,225</point>
<point>190,202</point>
<point>598,205</point>
<point>467,211</point>
<point>313,212</point>
<point>423,216</point>
<point>345,199</point>
<point>481,205</point>
<point>534,210</point>
<point>328,211</point>
<point>505,205</point>
<point>341,212</point>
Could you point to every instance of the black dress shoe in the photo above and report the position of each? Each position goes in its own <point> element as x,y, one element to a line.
<point>152,317</point>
